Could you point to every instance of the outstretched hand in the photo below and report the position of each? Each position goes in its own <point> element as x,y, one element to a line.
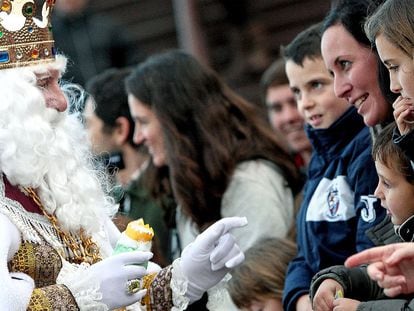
<point>213,253</point>
<point>391,266</point>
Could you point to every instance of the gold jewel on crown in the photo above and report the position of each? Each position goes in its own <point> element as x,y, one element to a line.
<point>25,39</point>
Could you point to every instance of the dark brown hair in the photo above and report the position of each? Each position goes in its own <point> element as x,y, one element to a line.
<point>388,153</point>
<point>273,76</point>
<point>208,129</point>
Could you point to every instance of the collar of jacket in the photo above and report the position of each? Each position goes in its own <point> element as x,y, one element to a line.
<point>338,135</point>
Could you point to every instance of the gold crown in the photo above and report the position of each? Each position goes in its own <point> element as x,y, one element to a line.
<point>25,39</point>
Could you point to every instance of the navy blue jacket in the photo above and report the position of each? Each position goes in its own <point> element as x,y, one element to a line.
<point>338,205</point>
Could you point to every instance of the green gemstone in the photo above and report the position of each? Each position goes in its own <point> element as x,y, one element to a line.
<point>29,10</point>
<point>1,34</point>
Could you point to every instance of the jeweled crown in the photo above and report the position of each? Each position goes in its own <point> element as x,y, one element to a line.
<point>25,39</point>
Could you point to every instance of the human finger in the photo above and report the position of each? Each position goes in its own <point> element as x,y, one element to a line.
<point>209,238</point>
<point>397,103</point>
<point>366,256</point>
<point>322,302</point>
<point>131,258</point>
<point>376,271</point>
<point>403,251</point>
<point>393,291</point>
<point>134,271</point>
<point>226,253</point>
<point>392,281</point>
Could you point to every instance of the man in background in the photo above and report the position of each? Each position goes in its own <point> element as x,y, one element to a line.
<point>283,113</point>
<point>110,129</point>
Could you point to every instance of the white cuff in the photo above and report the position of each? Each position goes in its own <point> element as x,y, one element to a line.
<point>84,289</point>
<point>218,296</point>
<point>179,284</point>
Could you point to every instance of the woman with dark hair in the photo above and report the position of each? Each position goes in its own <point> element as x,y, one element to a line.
<point>223,159</point>
<point>359,75</point>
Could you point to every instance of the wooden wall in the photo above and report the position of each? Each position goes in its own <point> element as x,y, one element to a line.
<point>151,24</point>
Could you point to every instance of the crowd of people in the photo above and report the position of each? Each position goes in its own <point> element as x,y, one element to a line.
<point>304,207</point>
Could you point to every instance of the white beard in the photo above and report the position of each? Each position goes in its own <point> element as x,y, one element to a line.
<point>48,151</point>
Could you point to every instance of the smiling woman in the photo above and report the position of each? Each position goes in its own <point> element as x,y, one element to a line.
<point>148,130</point>
<point>356,67</point>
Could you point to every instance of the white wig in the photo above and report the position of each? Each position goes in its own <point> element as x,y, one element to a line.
<point>49,151</point>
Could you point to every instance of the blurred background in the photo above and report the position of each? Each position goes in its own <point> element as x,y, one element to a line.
<point>238,38</point>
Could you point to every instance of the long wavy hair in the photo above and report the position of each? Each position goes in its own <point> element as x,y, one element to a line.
<point>395,20</point>
<point>208,129</point>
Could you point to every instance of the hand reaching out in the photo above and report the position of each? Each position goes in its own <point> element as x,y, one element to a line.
<point>391,266</point>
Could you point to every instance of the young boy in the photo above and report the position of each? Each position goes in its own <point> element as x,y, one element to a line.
<point>396,191</point>
<point>337,207</point>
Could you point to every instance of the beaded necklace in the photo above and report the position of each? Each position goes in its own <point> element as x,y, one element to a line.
<point>84,250</point>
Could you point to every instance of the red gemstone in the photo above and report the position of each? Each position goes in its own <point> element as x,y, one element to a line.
<point>35,53</point>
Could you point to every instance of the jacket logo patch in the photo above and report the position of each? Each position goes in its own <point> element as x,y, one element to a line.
<point>332,201</point>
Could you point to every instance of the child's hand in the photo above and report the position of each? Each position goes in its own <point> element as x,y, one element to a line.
<point>345,304</point>
<point>404,114</point>
<point>325,295</point>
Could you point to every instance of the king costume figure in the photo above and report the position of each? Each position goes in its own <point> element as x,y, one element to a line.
<point>56,234</point>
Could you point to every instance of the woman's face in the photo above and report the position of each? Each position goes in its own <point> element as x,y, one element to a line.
<point>399,65</point>
<point>148,130</point>
<point>355,71</point>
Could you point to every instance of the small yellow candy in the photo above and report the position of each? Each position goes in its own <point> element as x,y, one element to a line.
<point>339,294</point>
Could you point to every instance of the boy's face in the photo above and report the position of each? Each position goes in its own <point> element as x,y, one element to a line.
<point>395,192</point>
<point>313,88</point>
<point>268,304</point>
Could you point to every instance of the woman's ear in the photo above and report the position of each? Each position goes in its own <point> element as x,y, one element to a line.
<point>121,131</point>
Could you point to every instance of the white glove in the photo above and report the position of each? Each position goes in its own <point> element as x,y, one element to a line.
<point>113,274</point>
<point>213,253</point>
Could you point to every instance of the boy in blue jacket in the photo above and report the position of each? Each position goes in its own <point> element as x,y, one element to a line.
<point>338,206</point>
